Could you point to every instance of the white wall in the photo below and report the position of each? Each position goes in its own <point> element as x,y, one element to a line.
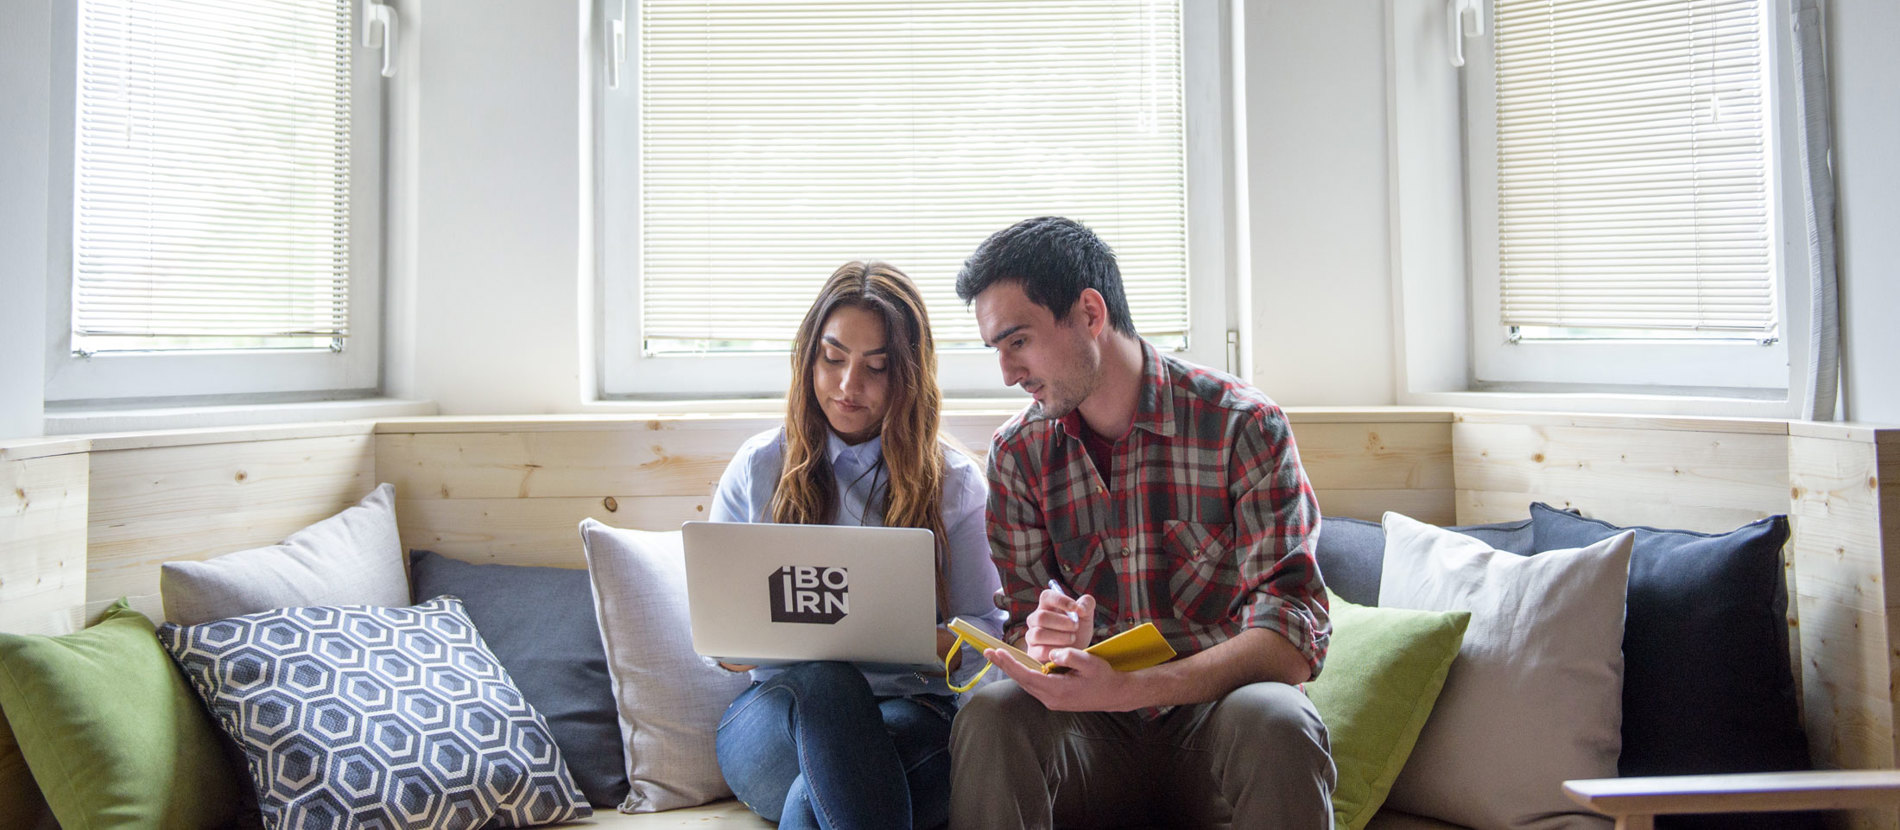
<point>25,84</point>
<point>1316,156</point>
<point>1865,67</point>
<point>485,276</point>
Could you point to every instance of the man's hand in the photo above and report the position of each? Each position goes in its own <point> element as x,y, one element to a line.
<point>1051,627</point>
<point>1089,685</point>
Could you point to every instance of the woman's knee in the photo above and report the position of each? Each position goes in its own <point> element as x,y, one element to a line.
<point>822,676</point>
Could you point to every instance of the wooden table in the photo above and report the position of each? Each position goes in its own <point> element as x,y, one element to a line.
<point>1635,802</point>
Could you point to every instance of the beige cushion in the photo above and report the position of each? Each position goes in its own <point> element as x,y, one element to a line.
<point>351,558</point>
<point>1535,696</point>
<point>724,815</point>
<point>670,699</point>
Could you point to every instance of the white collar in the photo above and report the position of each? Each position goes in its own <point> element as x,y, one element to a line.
<point>864,453</point>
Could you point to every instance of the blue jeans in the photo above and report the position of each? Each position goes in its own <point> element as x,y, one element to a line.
<point>812,747</point>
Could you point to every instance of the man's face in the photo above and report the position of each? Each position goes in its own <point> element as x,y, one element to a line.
<point>1055,361</point>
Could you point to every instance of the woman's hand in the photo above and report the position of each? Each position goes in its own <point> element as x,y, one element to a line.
<point>736,668</point>
<point>947,640</point>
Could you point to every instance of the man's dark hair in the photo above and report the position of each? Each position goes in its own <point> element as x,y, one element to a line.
<point>1053,259</point>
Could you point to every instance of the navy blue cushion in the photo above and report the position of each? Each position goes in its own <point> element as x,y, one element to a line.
<point>1351,552</point>
<point>1707,686</point>
<point>363,716</point>
<point>540,624</point>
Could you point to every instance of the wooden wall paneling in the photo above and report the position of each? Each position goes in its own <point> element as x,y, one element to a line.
<point>1833,487</point>
<point>646,458</point>
<point>538,531</point>
<point>1430,506</point>
<point>517,495</point>
<point>1656,477</point>
<point>1846,708</point>
<point>43,502</point>
<point>197,501</point>
<point>1847,608</point>
<point>1360,469</point>
<point>1375,456</point>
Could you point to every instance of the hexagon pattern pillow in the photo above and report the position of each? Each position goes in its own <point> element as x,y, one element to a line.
<point>361,716</point>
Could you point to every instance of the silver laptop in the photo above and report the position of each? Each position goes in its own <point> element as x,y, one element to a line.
<point>780,593</point>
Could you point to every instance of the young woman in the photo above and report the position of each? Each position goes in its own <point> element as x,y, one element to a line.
<point>830,745</point>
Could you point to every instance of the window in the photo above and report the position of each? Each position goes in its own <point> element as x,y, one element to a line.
<point>1627,199</point>
<point>1623,190</point>
<point>749,150</point>
<point>224,213</point>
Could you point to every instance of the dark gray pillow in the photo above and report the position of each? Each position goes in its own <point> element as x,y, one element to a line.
<point>1351,552</point>
<point>540,624</point>
<point>1707,687</point>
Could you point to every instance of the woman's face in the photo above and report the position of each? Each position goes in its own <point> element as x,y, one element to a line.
<point>851,376</point>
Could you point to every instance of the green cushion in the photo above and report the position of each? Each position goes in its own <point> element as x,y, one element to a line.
<point>111,731</point>
<point>1383,673</point>
<point>20,799</point>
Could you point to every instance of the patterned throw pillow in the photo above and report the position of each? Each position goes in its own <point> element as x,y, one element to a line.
<point>361,716</point>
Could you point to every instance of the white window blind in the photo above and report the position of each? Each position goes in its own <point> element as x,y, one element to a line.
<point>1633,181</point>
<point>212,178</point>
<point>779,140</point>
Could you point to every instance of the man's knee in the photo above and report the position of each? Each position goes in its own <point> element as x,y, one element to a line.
<point>1271,714</point>
<point>994,713</point>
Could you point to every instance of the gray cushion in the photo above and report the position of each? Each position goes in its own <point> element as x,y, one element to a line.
<point>540,624</point>
<point>1352,551</point>
<point>352,558</point>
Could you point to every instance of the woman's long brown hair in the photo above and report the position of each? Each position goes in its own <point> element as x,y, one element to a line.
<point>807,491</point>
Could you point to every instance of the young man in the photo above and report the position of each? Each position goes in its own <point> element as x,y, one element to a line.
<point>1137,488</point>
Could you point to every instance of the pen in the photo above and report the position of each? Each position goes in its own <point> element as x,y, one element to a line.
<point>1058,589</point>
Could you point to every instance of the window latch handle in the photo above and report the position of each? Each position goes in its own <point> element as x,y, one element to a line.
<point>1463,18</point>
<point>619,55</point>
<point>374,13</point>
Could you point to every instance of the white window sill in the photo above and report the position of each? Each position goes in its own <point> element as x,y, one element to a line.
<point>1618,403</point>
<point>775,407</point>
<point>132,419</point>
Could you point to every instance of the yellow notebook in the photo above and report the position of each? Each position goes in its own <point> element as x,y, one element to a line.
<point>1137,648</point>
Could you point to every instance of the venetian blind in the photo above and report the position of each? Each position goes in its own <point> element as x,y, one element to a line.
<point>212,174</point>
<point>781,139</point>
<point>1632,162</point>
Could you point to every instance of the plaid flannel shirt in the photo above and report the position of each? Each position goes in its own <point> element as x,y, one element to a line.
<point>1204,523</point>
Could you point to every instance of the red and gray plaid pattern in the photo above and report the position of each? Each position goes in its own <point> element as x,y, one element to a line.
<point>1204,523</point>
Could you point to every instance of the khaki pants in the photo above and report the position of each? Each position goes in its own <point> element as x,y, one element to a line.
<point>1257,758</point>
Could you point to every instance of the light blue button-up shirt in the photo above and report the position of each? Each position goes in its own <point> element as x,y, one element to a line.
<point>745,495</point>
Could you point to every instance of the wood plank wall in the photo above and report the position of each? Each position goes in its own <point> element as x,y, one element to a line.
<point>156,501</point>
<point>1846,540</point>
<point>513,489</point>
<point>42,536</point>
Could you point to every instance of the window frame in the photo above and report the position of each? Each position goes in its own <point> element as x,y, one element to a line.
<point>221,375</point>
<point>1501,362</point>
<point>1452,349</point>
<point>623,372</point>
